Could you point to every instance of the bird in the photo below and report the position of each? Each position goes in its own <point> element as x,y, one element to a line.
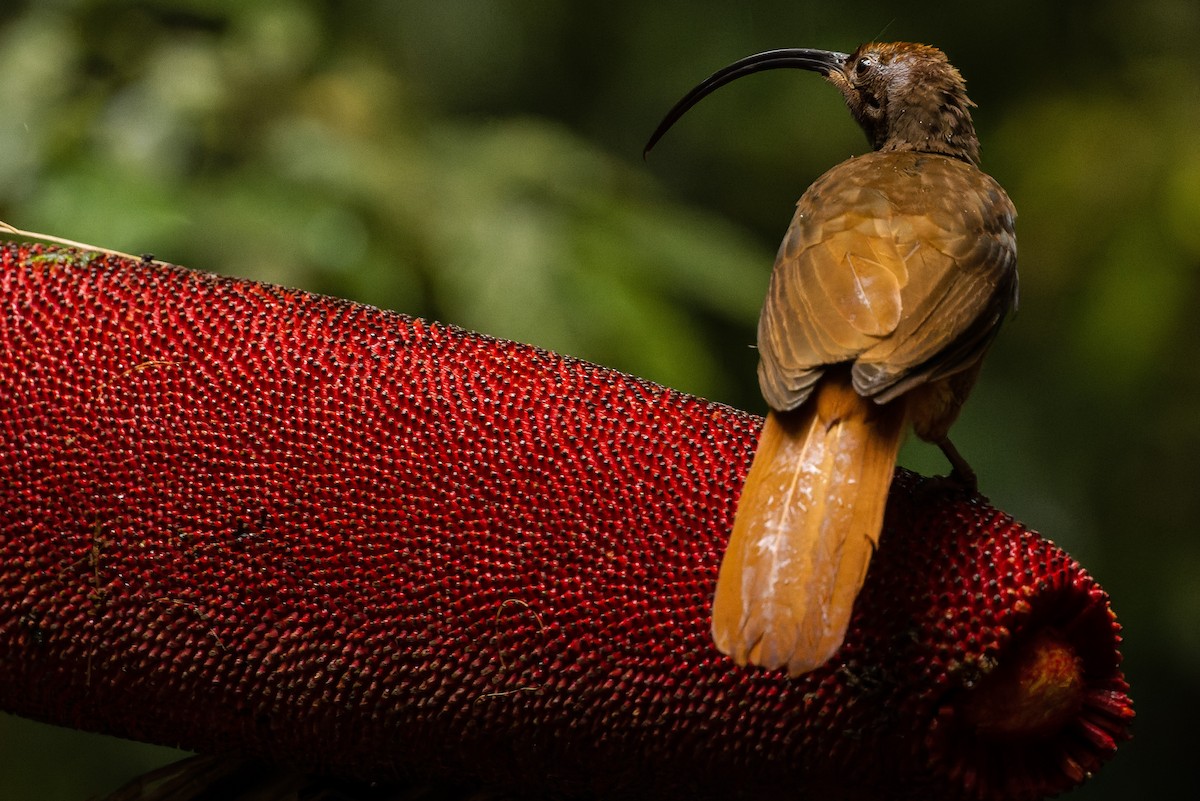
<point>889,287</point>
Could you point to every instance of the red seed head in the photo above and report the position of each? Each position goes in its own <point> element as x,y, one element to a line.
<point>235,517</point>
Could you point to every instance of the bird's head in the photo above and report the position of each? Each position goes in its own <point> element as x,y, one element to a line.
<point>905,96</point>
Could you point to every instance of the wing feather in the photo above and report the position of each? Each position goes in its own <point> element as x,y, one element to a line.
<point>904,263</point>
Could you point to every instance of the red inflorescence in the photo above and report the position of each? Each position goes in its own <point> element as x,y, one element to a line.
<point>239,518</point>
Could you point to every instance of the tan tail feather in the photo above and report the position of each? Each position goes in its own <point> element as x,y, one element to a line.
<point>807,524</point>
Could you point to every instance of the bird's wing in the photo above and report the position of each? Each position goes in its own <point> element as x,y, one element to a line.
<point>903,263</point>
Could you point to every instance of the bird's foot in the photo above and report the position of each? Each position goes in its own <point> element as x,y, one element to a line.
<point>961,479</point>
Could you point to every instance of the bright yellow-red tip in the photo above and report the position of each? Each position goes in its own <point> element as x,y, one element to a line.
<point>1038,690</point>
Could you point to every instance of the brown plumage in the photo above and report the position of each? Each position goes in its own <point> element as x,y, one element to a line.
<point>890,285</point>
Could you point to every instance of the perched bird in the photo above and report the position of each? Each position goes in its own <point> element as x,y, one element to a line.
<point>889,287</point>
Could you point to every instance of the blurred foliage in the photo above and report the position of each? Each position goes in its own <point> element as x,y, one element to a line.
<point>479,163</point>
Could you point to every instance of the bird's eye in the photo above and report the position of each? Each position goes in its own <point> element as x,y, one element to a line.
<point>863,66</point>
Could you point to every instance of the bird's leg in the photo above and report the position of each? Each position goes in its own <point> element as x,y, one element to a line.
<point>961,473</point>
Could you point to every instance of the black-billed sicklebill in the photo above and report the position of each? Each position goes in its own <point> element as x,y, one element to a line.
<point>889,287</point>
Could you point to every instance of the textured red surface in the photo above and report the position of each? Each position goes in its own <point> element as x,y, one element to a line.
<point>235,517</point>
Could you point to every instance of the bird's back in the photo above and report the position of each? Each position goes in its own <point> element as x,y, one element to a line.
<point>900,262</point>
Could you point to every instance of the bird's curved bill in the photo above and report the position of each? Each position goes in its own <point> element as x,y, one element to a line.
<point>822,61</point>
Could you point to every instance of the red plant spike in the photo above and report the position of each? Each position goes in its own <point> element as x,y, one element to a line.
<point>239,518</point>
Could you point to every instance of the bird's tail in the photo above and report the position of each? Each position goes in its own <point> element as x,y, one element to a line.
<point>807,524</point>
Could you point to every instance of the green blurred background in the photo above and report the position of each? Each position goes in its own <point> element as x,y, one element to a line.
<point>479,162</point>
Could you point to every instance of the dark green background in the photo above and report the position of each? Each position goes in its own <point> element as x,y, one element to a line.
<point>480,163</point>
